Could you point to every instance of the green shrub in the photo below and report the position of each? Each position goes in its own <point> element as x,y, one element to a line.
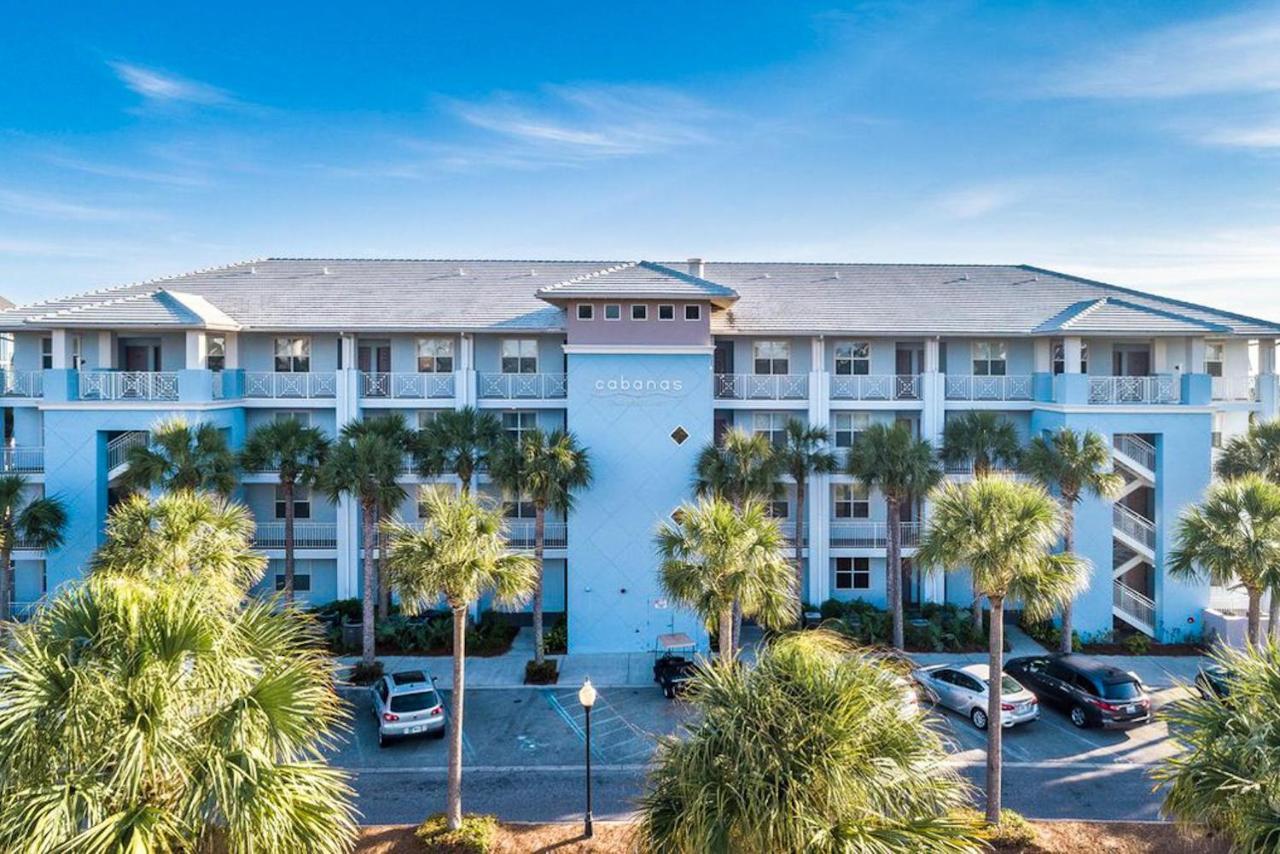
<point>366,674</point>
<point>348,609</point>
<point>1137,644</point>
<point>476,836</point>
<point>556,639</point>
<point>1014,833</point>
<point>540,674</point>
<point>949,628</point>
<point>1050,635</point>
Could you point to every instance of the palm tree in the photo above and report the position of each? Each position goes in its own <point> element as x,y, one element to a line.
<point>459,554</point>
<point>806,751</point>
<point>1224,772</point>
<point>984,440</point>
<point>892,460</point>
<point>295,452</point>
<point>1233,536</point>
<point>1075,464</point>
<point>717,556</point>
<point>1256,452</point>
<point>189,727</point>
<point>742,467</point>
<point>36,522</point>
<point>546,469</point>
<point>365,463</point>
<point>1004,532</point>
<point>180,456</point>
<point>804,452</point>
<point>459,442</point>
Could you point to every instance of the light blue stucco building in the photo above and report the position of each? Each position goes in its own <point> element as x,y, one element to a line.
<point>646,363</point>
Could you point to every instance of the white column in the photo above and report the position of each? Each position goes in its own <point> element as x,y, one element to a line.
<point>1043,356</point>
<point>1196,357</point>
<point>1072,346</point>
<point>818,501</point>
<point>106,350</point>
<point>196,351</point>
<point>932,357</point>
<point>59,337</point>
<point>464,391</point>
<point>1160,363</point>
<point>232,344</point>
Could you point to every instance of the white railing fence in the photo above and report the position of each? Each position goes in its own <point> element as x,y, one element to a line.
<point>1140,608</point>
<point>1137,449</point>
<point>306,535</point>
<point>21,383</point>
<point>961,387</point>
<point>875,387</point>
<point>871,535</point>
<point>522,386</point>
<point>1134,525</point>
<point>301,385</point>
<point>1235,388</point>
<point>22,460</point>
<point>1160,389</point>
<point>406,385</point>
<point>520,534</point>
<point>128,385</point>
<point>118,448</point>
<point>762,386</point>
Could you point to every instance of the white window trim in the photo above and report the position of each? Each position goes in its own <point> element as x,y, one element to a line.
<point>670,319</point>
<point>644,311</point>
<point>591,311</point>
<point>697,312</point>
<point>610,305</point>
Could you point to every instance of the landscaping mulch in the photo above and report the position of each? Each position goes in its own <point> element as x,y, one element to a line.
<point>1154,649</point>
<point>615,838</point>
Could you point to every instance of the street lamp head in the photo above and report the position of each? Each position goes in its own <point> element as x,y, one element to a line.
<point>587,694</point>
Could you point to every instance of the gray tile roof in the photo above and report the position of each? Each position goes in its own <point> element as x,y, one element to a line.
<point>772,298</point>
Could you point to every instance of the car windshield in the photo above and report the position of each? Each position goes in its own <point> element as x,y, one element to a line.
<point>415,702</point>
<point>1009,686</point>
<point>1121,691</point>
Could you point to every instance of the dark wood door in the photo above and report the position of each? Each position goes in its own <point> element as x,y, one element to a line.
<point>137,357</point>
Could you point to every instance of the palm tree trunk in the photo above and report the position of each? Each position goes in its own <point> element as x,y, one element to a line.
<point>727,649</point>
<point>539,531</point>
<point>6,577</point>
<point>800,496</point>
<point>368,654</point>
<point>286,488</point>
<point>893,570</point>
<point>384,589</point>
<point>1273,614</point>
<point>1255,615</point>
<point>995,732</point>
<point>453,812</point>
<point>1068,546</point>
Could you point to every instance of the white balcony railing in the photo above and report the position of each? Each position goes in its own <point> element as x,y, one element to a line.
<point>963,467</point>
<point>1137,449</point>
<point>875,387</point>
<point>306,535</point>
<point>989,388</point>
<point>300,385</point>
<point>1136,606</point>
<point>119,447</point>
<point>522,386</point>
<point>788,529</point>
<point>21,383</point>
<point>1108,390</point>
<point>128,385</point>
<point>1236,388</point>
<point>871,535</point>
<point>1134,525</point>
<point>415,386</point>
<point>22,460</point>
<point>762,386</point>
<point>555,535</point>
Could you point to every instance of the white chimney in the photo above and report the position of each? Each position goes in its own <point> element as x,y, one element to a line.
<point>697,267</point>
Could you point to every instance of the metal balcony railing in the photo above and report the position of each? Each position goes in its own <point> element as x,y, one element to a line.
<point>21,383</point>
<point>875,387</point>
<point>300,385</point>
<point>306,535</point>
<point>1114,390</point>
<point>762,386</point>
<point>1139,608</point>
<point>1137,449</point>
<point>989,388</point>
<point>871,535</point>
<point>416,386</point>
<point>1241,388</point>
<point>128,385</point>
<point>522,386</point>
<point>555,535</point>
<point>1134,525</point>
<point>22,460</point>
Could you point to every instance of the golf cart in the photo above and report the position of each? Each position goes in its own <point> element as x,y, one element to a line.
<point>673,663</point>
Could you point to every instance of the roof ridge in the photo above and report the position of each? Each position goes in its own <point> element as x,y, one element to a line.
<point>588,276</point>
<point>1092,307</point>
<point>88,306</point>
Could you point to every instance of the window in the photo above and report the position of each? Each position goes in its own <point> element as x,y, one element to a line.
<point>46,353</point>
<point>772,425</point>
<point>1060,361</point>
<point>301,582</point>
<point>848,425</point>
<point>693,312</point>
<point>77,352</point>
<point>586,311</point>
<point>639,312</point>
<point>517,506</point>
<point>853,358</point>
<point>215,352</point>
<point>519,356</point>
<point>301,502</point>
<point>853,573</point>
<point>850,501</point>
<point>989,358</point>
<point>293,355</point>
<point>423,491</point>
<point>1219,424</point>
<point>1213,351</point>
<point>778,509</point>
<point>303,416</point>
<point>771,357</point>
<point>519,422</point>
<point>613,312</point>
<point>426,416</point>
<point>435,355</point>
<point>666,312</point>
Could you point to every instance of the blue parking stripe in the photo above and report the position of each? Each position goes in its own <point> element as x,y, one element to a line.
<point>560,710</point>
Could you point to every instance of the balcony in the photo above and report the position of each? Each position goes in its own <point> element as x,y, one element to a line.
<point>522,386</point>
<point>962,468</point>
<point>1242,388</point>
<point>871,535</point>
<point>22,461</point>
<point>1122,390</point>
<point>989,388</point>
<point>21,383</point>
<point>555,535</point>
<point>407,386</point>
<point>127,385</point>
<point>875,387</point>
<point>290,386</point>
<point>762,386</point>
<point>306,535</point>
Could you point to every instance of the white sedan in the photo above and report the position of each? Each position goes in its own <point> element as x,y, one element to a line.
<point>964,689</point>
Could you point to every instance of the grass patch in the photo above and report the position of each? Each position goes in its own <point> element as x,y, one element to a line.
<point>477,835</point>
<point>545,673</point>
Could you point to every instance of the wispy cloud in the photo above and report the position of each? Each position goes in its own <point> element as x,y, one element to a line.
<point>127,173</point>
<point>1238,53</point>
<point>980,199</point>
<point>53,207</point>
<point>1262,138</point>
<point>161,87</point>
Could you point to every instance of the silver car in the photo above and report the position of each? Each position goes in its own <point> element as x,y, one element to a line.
<point>405,704</point>
<point>964,689</point>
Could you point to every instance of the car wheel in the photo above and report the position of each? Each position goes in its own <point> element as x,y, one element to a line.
<point>438,734</point>
<point>979,718</point>
<point>1078,717</point>
<point>382,740</point>
<point>669,691</point>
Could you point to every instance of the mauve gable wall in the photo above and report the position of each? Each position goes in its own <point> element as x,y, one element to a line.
<point>678,332</point>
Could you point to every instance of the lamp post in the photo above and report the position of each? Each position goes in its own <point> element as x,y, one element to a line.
<point>587,697</point>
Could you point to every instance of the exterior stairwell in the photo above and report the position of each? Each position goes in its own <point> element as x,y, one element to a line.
<point>118,452</point>
<point>1133,534</point>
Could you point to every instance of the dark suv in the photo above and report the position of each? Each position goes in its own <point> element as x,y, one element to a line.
<point>1090,692</point>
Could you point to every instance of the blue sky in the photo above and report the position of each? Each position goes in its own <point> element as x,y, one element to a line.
<point>1132,141</point>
